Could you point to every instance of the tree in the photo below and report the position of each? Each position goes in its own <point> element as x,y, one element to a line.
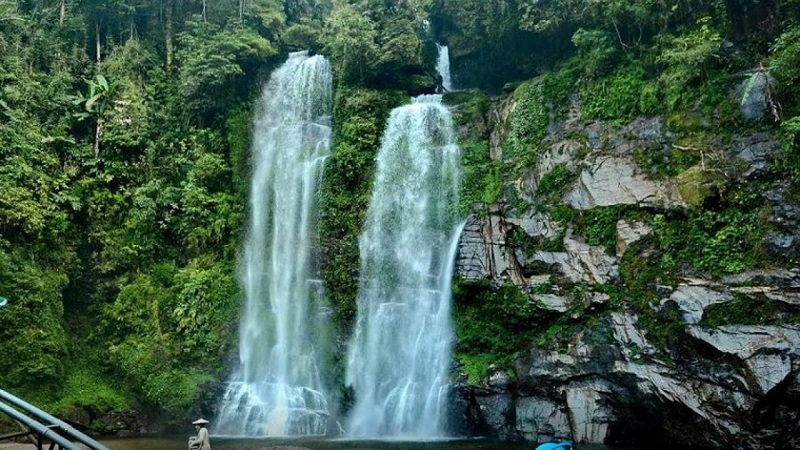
<point>350,43</point>
<point>214,63</point>
<point>95,103</point>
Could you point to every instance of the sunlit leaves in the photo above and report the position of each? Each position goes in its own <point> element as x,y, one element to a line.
<point>213,61</point>
<point>350,43</point>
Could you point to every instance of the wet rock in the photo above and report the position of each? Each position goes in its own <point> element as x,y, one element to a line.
<point>783,210</point>
<point>610,181</point>
<point>589,414</point>
<point>594,134</point>
<point>463,416</point>
<point>539,419</point>
<point>781,278</point>
<point>768,352</point>
<point>639,378</point>
<point>644,133</point>
<point>754,153</point>
<point>537,225</point>
<point>497,410</point>
<point>598,298</point>
<point>673,388</point>
<point>753,94</point>
<point>472,263</point>
<point>630,232</point>
<point>78,416</point>
<point>744,341</point>
<point>782,244</point>
<point>498,379</point>
<point>483,252</point>
<point>560,152</point>
<point>551,302</point>
<point>124,422</point>
<point>629,336</point>
<point>580,262</point>
<point>692,300</point>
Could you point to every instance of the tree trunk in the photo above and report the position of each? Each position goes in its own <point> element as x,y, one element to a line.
<point>62,13</point>
<point>168,38</point>
<point>97,39</point>
<point>204,10</point>
<point>98,131</point>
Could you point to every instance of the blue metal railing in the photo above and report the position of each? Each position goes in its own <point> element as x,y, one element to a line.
<point>44,425</point>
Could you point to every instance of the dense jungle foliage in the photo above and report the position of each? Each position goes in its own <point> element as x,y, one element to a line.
<point>124,160</point>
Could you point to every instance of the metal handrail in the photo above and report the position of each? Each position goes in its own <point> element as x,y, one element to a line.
<point>43,430</point>
<point>41,415</point>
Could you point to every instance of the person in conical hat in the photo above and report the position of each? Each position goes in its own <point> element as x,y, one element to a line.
<point>202,440</point>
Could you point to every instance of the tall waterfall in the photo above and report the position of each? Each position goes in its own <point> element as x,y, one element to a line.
<point>443,67</point>
<point>399,357</point>
<point>278,389</point>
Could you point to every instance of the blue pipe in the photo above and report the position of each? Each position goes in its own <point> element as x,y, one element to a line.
<point>41,415</point>
<point>565,445</point>
<point>38,427</point>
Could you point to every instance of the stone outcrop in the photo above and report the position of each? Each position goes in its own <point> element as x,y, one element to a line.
<point>593,392</point>
<point>769,353</point>
<point>753,154</point>
<point>753,94</point>
<point>674,376</point>
<point>783,242</point>
<point>484,252</point>
<point>693,299</point>
<point>609,181</point>
<point>628,233</point>
<point>578,263</point>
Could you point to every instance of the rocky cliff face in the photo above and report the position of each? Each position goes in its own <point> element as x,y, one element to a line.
<point>685,356</point>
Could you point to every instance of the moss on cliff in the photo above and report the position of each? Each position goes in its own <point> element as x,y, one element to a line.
<point>482,338</point>
<point>359,116</point>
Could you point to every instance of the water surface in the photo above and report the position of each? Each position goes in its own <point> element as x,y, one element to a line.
<point>337,444</point>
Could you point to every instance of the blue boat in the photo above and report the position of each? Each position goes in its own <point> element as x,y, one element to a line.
<point>565,445</point>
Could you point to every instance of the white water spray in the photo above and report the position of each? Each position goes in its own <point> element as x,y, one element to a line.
<point>399,357</point>
<point>278,389</point>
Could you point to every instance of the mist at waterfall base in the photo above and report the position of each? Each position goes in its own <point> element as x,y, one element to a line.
<point>399,357</point>
<point>278,388</point>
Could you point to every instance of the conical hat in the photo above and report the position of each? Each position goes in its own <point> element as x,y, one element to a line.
<point>200,422</point>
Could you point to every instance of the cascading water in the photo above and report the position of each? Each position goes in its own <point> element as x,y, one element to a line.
<point>399,357</point>
<point>278,389</point>
<point>443,67</point>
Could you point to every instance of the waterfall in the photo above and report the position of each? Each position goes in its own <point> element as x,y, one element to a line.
<point>277,389</point>
<point>443,67</point>
<point>399,357</point>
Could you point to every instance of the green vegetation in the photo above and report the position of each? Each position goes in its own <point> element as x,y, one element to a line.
<point>359,115</point>
<point>747,310</point>
<point>124,162</point>
<point>554,184</point>
<point>482,179</point>
<point>616,97</point>
<point>534,101</point>
<point>125,133</point>
<point>492,327</point>
<point>88,389</point>
<point>598,226</point>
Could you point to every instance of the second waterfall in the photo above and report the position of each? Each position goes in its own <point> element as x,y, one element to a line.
<point>399,357</point>
<point>279,387</point>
